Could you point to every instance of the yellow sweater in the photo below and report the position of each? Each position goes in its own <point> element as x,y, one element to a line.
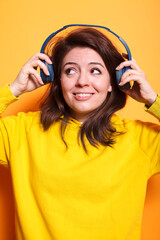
<point>69,195</point>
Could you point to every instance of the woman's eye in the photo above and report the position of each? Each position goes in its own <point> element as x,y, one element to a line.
<point>95,71</point>
<point>69,71</point>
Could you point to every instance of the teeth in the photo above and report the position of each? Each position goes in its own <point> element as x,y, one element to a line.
<point>83,94</point>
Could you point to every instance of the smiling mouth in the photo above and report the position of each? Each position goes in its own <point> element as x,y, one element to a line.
<point>83,94</point>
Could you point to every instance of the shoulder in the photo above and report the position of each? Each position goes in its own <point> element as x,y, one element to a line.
<point>29,116</point>
<point>143,134</point>
<point>22,120</point>
<point>138,125</point>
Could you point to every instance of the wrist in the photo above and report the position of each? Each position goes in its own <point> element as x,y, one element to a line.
<point>151,100</point>
<point>14,90</point>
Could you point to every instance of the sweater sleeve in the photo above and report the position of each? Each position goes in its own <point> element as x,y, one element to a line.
<point>13,129</point>
<point>6,98</point>
<point>147,136</point>
<point>154,109</point>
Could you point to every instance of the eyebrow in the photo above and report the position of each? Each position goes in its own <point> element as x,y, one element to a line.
<point>70,63</point>
<point>97,63</point>
<point>92,63</point>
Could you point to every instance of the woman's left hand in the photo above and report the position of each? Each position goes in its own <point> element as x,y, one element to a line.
<point>141,90</point>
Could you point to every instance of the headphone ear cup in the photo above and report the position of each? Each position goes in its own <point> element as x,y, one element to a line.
<point>119,74</point>
<point>47,78</point>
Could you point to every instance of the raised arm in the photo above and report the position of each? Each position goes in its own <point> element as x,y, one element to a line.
<point>141,90</point>
<point>28,78</point>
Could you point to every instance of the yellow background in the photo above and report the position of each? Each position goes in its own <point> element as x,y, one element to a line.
<point>24,27</point>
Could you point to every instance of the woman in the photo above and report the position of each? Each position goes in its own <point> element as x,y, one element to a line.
<point>79,171</point>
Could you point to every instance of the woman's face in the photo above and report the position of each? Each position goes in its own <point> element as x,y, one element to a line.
<point>85,81</point>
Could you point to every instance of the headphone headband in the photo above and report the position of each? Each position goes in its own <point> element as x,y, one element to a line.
<point>87,25</point>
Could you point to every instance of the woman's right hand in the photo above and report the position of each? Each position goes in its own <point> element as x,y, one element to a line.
<point>28,78</point>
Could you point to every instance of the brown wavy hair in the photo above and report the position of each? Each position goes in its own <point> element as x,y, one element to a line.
<point>98,128</point>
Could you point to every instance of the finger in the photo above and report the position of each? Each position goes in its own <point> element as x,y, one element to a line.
<point>131,78</point>
<point>34,82</point>
<point>37,77</point>
<point>130,63</point>
<point>39,63</point>
<point>129,72</point>
<point>41,56</point>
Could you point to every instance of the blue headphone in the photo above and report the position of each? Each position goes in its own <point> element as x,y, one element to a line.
<point>119,73</point>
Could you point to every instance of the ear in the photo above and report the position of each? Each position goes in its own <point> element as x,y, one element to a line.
<point>110,88</point>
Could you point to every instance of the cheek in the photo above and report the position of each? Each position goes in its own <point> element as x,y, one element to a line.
<point>66,83</point>
<point>103,86</point>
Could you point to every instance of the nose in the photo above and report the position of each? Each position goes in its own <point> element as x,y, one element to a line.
<point>83,79</point>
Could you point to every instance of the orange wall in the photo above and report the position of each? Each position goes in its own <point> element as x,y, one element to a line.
<point>24,27</point>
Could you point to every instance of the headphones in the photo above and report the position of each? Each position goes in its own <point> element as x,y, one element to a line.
<point>119,73</point>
